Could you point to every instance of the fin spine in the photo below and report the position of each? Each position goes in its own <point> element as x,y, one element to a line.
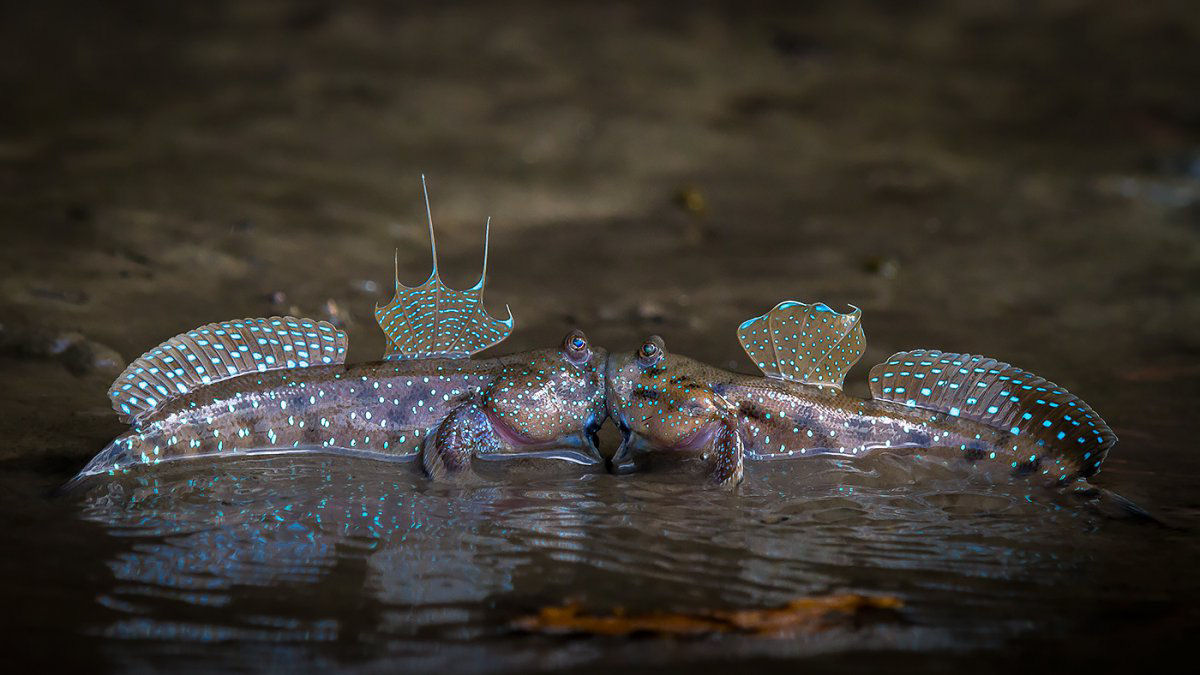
<point>433,320</point>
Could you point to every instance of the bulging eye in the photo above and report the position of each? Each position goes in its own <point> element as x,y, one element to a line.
<point>651,351</point>
<point>575,346</point>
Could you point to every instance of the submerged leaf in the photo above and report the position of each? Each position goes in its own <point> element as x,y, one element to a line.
<point>802,615</point>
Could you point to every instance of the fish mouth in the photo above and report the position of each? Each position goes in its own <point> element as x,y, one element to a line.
<point>592,433</point>
<point>622,459</point>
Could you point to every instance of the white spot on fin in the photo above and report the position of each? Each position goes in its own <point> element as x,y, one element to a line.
<point>237,347</point>
<point>804,343</point>
<point>434,320</point>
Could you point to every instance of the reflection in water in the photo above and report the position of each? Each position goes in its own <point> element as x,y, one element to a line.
<point>373,561</point>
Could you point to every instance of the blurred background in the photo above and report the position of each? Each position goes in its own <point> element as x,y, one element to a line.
<point>1017,179</point>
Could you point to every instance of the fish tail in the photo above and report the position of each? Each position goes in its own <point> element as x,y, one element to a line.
<point>1004,397</point>
<point>126,450</point>
<point>150,445</point>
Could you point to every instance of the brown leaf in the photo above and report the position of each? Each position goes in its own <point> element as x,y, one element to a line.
<point>810,614</point>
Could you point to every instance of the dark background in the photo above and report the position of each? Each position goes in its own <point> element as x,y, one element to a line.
<point>1015,179</point>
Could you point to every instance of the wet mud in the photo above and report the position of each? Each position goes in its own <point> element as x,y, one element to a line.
<point>1021,182</point>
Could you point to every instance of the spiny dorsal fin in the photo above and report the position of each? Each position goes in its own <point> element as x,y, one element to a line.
<point>1000,396</point>
<point>219,351</point>
<point>435,321</point>
<point>804,343</point>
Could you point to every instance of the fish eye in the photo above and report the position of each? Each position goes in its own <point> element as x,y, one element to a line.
<point>575,345</point>
<point>651,351</point>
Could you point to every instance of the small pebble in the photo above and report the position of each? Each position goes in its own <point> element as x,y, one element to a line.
<point>691,200</point>
<point>648,310</point>
<point>86,356</point>
<point>335,314</point>
<point>882,266</point>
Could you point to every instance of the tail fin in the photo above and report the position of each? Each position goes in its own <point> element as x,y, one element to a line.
<point>1000,396</point>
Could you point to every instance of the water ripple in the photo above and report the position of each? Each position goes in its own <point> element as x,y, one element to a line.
<point>287,549</point>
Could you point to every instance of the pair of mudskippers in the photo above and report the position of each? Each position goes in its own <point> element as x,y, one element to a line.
<point>280,384</point>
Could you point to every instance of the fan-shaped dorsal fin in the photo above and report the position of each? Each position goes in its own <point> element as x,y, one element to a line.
<point>805,343</point>
<point>435,321</point>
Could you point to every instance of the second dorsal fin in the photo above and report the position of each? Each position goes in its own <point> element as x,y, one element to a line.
<point>804,343</point>
<point>435,321</point>
<point>219,351</point>
<point>1000,396</point>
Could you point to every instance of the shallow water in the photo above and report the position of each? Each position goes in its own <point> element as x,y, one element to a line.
<point>319,560</point>
<point>1019,181</point>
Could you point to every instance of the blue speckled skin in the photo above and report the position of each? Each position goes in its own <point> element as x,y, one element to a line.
<point>279,384</point>
<point>675,406</point>
<point>548,402</point>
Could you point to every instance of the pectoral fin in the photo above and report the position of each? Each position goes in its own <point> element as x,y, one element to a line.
<point>465,432</point>
<point>727,454</point>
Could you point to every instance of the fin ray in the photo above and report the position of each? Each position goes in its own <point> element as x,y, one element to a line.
<point>997,395</point>
<point>219,351</point>
<point>435,321</point>
<point>805,343</point>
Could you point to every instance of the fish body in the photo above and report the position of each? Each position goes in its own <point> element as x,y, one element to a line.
<point>668,405</point>
<point>280,384</point>
<point>683,408</point>
<point>535,403</point>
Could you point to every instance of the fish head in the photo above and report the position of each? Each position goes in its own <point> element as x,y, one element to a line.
<point>550,402</point>
<point>664,404</point>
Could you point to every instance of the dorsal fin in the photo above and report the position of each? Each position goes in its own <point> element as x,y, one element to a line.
<point>804,343</point>
<point>435,321</point>
<point>219,351</point>
<point>1000,396</point>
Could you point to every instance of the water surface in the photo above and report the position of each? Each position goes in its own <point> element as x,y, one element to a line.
<point>311,560</point>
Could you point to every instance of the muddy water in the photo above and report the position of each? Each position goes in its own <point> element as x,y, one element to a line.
<point>1017,183</point>
<point>324,561</point>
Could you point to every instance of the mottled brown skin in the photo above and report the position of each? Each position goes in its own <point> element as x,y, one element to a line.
<point>673,406</point>
<point>543,403</point>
